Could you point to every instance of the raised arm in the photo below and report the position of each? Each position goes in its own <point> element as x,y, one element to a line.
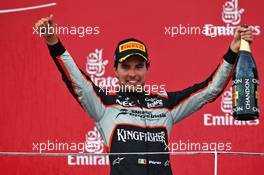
<point>191,99</point>
<point>81,87</point>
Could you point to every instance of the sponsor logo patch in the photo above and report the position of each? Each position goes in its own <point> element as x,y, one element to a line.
<point>141,114</point>
<point>132,45</point>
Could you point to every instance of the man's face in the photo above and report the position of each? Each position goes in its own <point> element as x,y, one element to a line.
<point>132,72</point>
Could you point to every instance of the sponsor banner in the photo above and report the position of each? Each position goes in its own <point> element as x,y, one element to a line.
<point>93,144</point>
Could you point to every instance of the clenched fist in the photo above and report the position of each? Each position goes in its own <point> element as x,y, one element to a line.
<point>46,28</point>
<point>241,33</point>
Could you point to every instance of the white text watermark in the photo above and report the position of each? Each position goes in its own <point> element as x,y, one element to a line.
<point>80,31</point>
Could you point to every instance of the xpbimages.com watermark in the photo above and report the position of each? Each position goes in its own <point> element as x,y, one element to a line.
<point>80,31</point>
<point>83,147</point>
<point>208,30</point>
<point>58,146</point>
<point>198,146</point>
<point>146,89</point>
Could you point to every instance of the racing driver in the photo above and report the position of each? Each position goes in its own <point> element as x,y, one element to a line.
<point>132,121</point>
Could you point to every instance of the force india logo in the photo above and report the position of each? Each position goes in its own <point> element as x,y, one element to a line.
<point>141,114</point>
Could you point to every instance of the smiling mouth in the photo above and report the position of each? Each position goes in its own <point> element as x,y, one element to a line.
<point>132,82</point>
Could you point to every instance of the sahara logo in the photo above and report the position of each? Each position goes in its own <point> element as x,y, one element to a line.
<point>148,115</point>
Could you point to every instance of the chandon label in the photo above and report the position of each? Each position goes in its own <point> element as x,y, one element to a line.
<point>245,94</point>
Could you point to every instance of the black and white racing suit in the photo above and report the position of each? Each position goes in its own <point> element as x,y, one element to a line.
<point>136,122</point>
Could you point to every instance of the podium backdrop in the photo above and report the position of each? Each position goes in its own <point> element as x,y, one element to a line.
<point>185,40</point>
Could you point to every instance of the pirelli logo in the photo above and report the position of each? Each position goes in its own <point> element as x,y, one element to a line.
<point>132,45</point>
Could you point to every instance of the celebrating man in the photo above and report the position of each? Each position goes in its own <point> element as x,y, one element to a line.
<point>131,121</point>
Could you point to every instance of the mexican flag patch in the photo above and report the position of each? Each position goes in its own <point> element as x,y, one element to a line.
<point>142,161</point>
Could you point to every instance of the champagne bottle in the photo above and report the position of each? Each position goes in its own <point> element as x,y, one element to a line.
<point>245,84</point>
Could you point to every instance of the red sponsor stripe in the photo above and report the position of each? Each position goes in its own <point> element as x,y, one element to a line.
<point>91,83</point>
<point>67,75</point>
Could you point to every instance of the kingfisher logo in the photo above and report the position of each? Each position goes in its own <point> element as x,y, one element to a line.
<point>125,135</point>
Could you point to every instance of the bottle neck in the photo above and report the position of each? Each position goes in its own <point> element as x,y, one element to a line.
<point>244,46</point>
